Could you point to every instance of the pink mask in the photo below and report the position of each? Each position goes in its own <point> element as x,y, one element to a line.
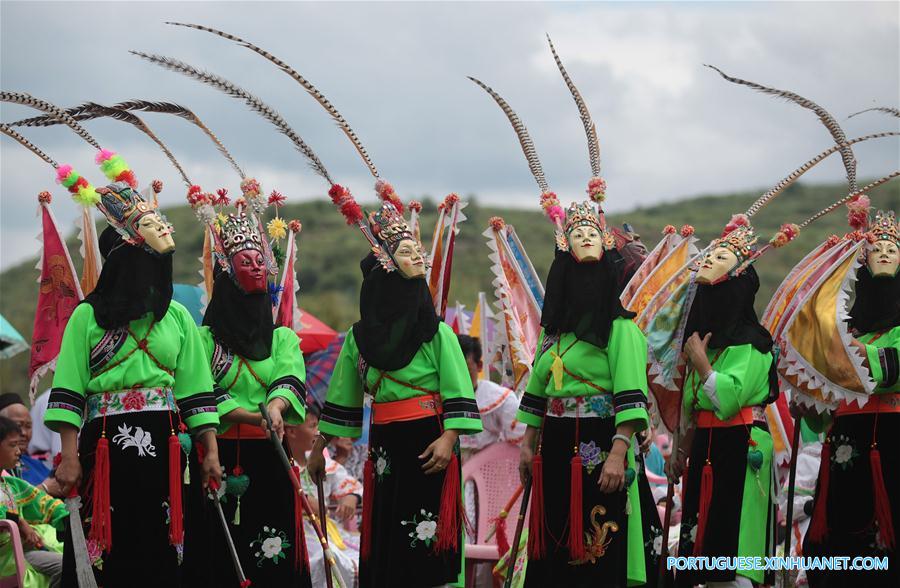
<point>249,271</point>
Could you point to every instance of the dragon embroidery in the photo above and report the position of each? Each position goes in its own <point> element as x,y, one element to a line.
<point>596,542</point>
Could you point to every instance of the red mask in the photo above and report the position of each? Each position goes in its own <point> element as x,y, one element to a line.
<point>249,271</point>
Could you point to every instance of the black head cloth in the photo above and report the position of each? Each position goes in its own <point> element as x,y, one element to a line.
<point>132,283</point>
<point>877,304</point>
<point>396,317</point>
<point>583,298</point>
<point>241,322</point>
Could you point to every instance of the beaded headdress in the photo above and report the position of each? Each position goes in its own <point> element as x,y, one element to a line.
<point>885,227</point>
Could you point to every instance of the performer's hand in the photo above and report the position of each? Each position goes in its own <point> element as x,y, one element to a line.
<point>68,473</point>
<point>315,464</point>
<point>526,456</point>
<point>212,469</point>
<point>30,537</point>
<point>439,452</point>
<point>675,464</point>
<point>274,408</point>
<point>695,348</point>
<point>346,507</point>
<point>612,477</point>
<point>646,439</point>
<point>53,488</point>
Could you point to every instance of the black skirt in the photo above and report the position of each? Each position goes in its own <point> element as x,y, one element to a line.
<point>406,506</point>
<point>141,555</point>
<point>604,518</point>
<point>727,448</point>
<point>264,536</point>
<point>852,530</point>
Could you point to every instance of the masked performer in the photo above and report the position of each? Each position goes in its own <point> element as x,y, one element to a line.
<point>856,508</point>
<point>730,379</point>
<point>252,361</point>
<point>411,364</point>
<point>132,376</point>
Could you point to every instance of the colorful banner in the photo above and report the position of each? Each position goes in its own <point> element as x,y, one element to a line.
<point>60,292</point>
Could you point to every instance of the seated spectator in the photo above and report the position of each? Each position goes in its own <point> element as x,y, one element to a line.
<point>45,444</point>
<point>342,491</point>
<point>37,515</point>
<point>32,470</point>
<point>496,404</point>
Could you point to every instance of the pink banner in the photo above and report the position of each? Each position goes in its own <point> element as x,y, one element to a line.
<point>59,293</point>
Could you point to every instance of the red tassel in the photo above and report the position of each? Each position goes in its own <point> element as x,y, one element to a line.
<point>301,557</point>
<point>365,548</point>
<point>537,544</point>
<point>176,520</point>
<point>101,518</point>
<point>882,503</point>
<point>576,516</point>
<point>448,515</point>
<point>706,490</point>
<point>500,533</point>
<point>818,525</point>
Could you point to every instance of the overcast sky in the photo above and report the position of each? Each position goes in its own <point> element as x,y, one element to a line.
<point>668,127</point>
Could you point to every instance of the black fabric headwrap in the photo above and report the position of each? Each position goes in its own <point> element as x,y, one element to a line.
<point>726,310</point>
<point>877,304</point>
<point>241,322</point>
<point>132,283</point>
<point>396,317</point>
<point>583,298</point>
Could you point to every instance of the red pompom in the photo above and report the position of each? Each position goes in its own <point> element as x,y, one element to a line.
<point>128,177</point>
<point>295,226</point>
<point>157,186</point>
<point>276,198</point>
<point>414,206</point>
<point>687,231</point>
<point>497,223</point>
<point>668,230</point>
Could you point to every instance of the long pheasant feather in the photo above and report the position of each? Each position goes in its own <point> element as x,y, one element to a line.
<point>795,175</point>
<point>829,121</point>
<point>525,141</point>
<point>895,112</point>
<point>589,128</point>
<point>311,89</point>
<point>249,99</point>
<point>848,197</point>
<point>27,144</point>
<point>87,112</point>
<point>55,111</point>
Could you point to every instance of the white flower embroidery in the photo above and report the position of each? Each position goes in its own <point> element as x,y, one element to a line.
<point>141,439</point>
<point>843,454</point>
<point>271,547</point>
<point>693,534</point>
<point>426,530</point>
<point>657,545</point>
<point>380,465</point>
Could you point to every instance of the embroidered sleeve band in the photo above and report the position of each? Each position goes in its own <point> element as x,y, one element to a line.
<point>532,409</point>
<point>65,406</point>
<point>630,405</point>
<point>889,358</point>
<point>198,410</point>
<point>461,414</point>
<point>293,390</point>
<point>341,421</point>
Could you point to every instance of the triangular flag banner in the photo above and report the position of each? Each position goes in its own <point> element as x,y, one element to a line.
<point>90,251</point>
<point>59,294</point>
<point>288,313</point>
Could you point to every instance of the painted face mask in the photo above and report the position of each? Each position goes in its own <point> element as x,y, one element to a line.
<point>883,259</point>
<point>717,264</point>
<point>586,243</point>
<point>249,271</point>
<point>409,259</point>
<point>156,233</point>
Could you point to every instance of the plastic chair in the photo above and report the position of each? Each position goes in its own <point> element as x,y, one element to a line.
<point>495,473</point>
<point>17,580</point>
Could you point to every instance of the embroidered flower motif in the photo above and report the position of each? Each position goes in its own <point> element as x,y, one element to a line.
<point>270,545</point>
<point>590,456</point>
<point>845,452</point>
<point>657,545</point>
<point>557,407</point>
<point>597,541</point>
<point>141,440</point>
<point>424,530</point>
<point>134,400</point>
<point>382,463</point>
<point>95,554</point>
<point>601,404</point>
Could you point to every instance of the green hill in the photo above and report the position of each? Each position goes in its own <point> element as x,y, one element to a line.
<point>330,252</point>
